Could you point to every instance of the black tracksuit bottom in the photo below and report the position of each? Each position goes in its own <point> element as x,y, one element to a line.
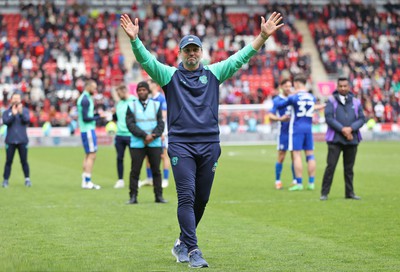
<point>137,156</point>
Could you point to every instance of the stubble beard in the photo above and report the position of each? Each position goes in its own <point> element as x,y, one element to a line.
<point>192,63</point>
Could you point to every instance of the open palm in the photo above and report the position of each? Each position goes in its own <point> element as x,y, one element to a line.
<point>272,25</point>
<point>131,29</point>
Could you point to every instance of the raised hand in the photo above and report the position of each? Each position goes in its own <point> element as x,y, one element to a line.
<point>131,29</point>
<point>269,27</point>
<point>14,109</point>
<point>20,108</point>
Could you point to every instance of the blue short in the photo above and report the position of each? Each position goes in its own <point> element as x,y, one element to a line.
<point>89,141</point>
<point>283,142</point>
<point>301,141</point>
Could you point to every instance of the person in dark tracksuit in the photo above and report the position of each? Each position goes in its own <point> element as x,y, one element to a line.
<point>344,116</point>
<point>144,120</point>
<point>192,94</point>
<point>123,137</point>
<point>17,119</point>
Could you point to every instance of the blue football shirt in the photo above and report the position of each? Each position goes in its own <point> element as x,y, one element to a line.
<point>303,110</point>
<point>161,98</point>
<point>284,126</point>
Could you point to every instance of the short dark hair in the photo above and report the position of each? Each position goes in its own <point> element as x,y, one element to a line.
<point>342,79</point>
<point>300,78</point>
<point>284,81</point>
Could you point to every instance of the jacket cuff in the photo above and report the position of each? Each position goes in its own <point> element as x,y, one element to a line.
<point>136,43</point>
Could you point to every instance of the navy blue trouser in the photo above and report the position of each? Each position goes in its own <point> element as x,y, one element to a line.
<point>121,142</point>
<point>193,165</point>
<point>23,155</point>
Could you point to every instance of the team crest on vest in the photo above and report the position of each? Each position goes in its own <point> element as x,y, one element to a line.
<point>214,167</point>
<point>174,161</point>
<point>203,79</point>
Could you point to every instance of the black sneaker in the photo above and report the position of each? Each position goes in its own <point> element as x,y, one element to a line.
<point>323,197</point>
<point>354,197</point>
<point>133,200</point>
<point>160,199</point>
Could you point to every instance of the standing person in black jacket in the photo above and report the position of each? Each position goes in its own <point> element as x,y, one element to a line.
<point>344,116</point>
<point>17,119</point>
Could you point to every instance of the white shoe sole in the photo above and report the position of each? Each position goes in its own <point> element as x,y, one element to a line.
<point>94,187</point>
<point>176,256</point>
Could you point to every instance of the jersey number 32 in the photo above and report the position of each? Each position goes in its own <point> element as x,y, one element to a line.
<point>303,111</point>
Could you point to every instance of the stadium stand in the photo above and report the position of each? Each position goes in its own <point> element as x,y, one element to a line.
<point>47,50</point>
<point>362,43</point>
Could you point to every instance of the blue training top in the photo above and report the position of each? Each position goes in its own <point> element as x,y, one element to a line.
<point>192,96</point>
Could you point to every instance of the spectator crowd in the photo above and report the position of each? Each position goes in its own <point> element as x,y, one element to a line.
<point>362,43</point>
<point>47,53</point>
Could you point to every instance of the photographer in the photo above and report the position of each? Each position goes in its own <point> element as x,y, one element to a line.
<point>17,119</point>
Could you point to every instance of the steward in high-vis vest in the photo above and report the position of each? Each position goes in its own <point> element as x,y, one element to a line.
<point>144,120</point>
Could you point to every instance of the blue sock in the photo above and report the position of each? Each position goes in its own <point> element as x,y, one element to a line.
<point>311,179</point>
<point>299,180</point>
<point>149,173</point>
<point>293,173</point>
<point>166,173</point>
<point>278,170</point>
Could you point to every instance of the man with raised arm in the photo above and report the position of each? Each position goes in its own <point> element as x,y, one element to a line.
<point>192,93</point>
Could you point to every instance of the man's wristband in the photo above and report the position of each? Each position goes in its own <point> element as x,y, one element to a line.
<point>265,37</point>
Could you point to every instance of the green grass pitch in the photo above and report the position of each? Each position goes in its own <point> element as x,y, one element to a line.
<point>248,225</point>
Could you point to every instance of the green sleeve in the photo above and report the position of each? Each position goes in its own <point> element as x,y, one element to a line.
<point>159,72</point>
<point>225,69</point>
